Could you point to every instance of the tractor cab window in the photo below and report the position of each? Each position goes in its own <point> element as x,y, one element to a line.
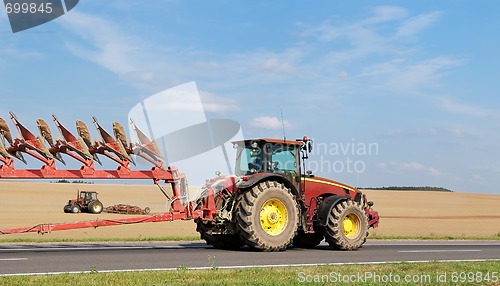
<point>88,196</point>
<point>249,160</point>
<point>282,159</point>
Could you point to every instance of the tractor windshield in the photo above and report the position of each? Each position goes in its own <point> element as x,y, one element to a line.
<point>249,160</point>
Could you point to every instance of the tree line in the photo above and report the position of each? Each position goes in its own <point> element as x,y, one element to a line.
<point>396,188</point>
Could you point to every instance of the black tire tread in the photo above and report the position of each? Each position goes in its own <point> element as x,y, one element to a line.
<point>246,210</point>
<point>334,234</point>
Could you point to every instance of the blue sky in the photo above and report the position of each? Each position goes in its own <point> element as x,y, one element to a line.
<point>416,79</point>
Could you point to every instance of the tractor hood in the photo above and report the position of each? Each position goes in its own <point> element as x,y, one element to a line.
<point>320,184</point>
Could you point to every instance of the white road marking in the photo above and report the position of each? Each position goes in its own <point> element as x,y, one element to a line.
<point>39,249</point>
<point>13,259</point>
<point>439,250</point>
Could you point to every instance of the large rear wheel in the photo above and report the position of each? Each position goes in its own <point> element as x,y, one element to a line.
<point>347,226</point>
<point>95,207</point>
<point>267,216</point>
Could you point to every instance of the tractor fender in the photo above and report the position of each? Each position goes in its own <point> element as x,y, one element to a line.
<point>326,207</point>
<point>266,177</point>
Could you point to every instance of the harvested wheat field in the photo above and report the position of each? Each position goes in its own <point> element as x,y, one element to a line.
<point>420,213</point>
<point>402,212</point>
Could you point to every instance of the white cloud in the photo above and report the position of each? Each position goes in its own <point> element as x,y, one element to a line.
<point>409,76</point>
<point>386,14</point>
<point>410,167</point>
<point>454,106</point>
<point>108,46</point>
<point>328,58</point>
<point>269,122</point>
<point>277,66</point>
<point>218,104</point>
<point>454,132</point>
<point>415,25</point>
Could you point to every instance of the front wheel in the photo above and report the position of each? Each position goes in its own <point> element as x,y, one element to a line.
<point>347,226</point>
<point>75,209</point>
<point>267,216</point>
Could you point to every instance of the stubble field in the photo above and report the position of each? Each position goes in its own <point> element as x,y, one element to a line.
<point>403,213</point>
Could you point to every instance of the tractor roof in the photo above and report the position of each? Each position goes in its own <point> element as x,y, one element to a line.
<point>271,140</point>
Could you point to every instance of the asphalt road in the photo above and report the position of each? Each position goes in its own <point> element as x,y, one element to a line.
<point>76,258</point>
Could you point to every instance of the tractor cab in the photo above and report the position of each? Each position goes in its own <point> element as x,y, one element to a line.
<point>276,156</point>
<point>88,196</point>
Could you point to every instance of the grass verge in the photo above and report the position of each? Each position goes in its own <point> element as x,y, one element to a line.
<point>432,273</point>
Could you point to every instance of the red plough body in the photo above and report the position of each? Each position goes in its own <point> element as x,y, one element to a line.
<point>81,149</point>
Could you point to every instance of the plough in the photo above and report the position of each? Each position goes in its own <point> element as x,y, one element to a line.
<point>47,150</point>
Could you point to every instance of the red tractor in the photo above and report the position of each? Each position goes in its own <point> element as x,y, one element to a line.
<point>85,201</point>
<point>272,202</point>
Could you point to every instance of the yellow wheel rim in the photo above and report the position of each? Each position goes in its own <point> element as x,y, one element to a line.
<point>273,217</point>
<point>350,225</point>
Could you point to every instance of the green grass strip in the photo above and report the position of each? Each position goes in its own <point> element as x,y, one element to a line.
<point>431,273</point>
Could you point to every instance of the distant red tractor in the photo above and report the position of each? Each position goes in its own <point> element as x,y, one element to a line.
<point>86,201</point>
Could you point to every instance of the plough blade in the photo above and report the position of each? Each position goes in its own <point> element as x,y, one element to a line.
<point>145,144</point>
<point>29,140</point>
<point>119,133</point>
<point>20,157</point>
<point>5,131</point>
<point>110,144</point>
<point>84,133</point>
<point>44,129</point>
<point>3,151</point>
<point>45,132</point>
<point>71,142</point>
